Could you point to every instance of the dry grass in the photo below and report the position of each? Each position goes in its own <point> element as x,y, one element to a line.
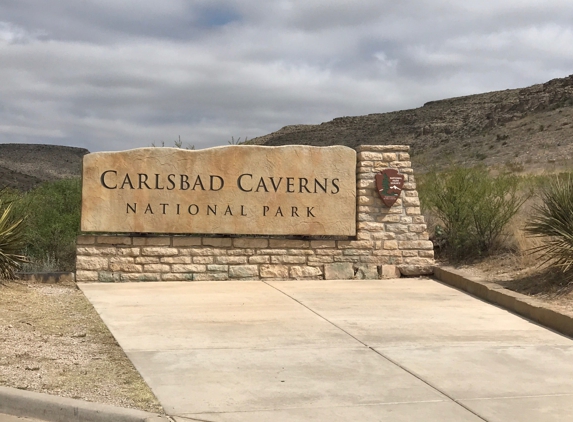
<point>53,341</point>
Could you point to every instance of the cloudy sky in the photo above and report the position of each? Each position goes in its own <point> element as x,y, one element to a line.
<point>118,74</point>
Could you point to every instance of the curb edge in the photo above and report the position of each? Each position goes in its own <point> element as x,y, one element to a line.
<point>62,409</point>
<point>517,303</point>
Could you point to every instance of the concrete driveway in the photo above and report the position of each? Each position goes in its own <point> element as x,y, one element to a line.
<point>391,350</point>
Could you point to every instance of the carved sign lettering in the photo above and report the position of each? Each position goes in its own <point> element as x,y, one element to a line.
<point>389,185</point>
<point>290,190</point>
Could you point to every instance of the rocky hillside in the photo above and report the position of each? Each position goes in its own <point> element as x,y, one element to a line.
<point>24,166</point>
<point>520,129</point>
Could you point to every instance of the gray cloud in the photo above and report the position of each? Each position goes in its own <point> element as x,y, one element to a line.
<point>114,75</point>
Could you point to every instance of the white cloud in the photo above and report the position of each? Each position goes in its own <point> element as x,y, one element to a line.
<point>115,75</point>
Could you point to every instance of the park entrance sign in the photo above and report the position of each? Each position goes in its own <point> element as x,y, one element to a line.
<point>288,190</point>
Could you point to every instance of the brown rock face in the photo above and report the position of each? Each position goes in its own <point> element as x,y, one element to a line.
<point>226,190</point>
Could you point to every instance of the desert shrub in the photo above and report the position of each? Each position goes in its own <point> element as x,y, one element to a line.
<point>552,221</point>
<point>473,206</point>
<point>12,236</point>
<point>53,211</point>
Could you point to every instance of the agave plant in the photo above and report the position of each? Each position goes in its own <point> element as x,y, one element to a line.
<point>552,220</point>
<point>12,241</point>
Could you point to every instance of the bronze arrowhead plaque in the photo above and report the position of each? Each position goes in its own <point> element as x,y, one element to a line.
<point>389,185</point>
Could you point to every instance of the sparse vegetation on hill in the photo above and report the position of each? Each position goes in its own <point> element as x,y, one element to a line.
<point>525,129</point>
<point>25,166</point>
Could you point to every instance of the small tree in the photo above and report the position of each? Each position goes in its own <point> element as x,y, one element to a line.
<point>474,207</point>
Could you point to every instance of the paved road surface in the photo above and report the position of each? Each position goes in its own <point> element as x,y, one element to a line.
<point>393,350</point>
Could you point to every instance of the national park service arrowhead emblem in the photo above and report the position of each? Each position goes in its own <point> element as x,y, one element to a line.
<point>389,185</point>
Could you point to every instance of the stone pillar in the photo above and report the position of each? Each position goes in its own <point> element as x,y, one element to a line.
<point>399,234</point>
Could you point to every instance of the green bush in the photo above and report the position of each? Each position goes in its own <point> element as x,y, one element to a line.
<point>552,220</point>
<point>53,211</point>
<point>12,239</point>
<point>473,206</point>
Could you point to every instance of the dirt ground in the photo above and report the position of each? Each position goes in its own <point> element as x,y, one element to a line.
<point>511,272</point>
<point>53,341</point>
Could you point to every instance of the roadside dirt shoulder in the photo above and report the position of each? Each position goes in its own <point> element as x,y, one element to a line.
<point>53,341</point>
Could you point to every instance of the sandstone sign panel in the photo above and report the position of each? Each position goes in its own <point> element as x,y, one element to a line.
<point>287,190</point>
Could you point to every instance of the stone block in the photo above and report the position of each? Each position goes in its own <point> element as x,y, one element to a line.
<point>320,244</point>
<point>274,271</point>
<point>390,244</point>
<point>155,251</point>
<point>113,240</point>
<point>125,267</point>
<point>412,270</point>
<point>109,277</point>
<point>92,263</point>
<point>85,240</point>
<point>354,244</point>
<point>417,228</point>
<point>338,271</point>
<point>329,252</point>
<point>178,276</point>
<point>128,251</point>
<point>298,272</point>
<point>272,252</point>
<point>146,260</point>
<point>140,277</point>
<point>244,271</point>
<point>188,268</point>
<point>175,260</point>
<point>218,268</point>
<point>416,244</point>
<point>288,259</point>
<point>210,276</point>
<point>362,217</point>
<point>176,210</point>
<point>389,157</point>
<point>321,259</point>
<point>152,241</point>
<point>389,271</point>
<point>370,156</point>
<point>232,260</point>
<point>235,252</point>
<point>356,252</point>
<point>259,259</point>
<point>366,184</point>
<point>426,254</point>
<point>202,251</point>
<point>288,243</point>
<point>383,148</point>
<point>186,241</point>
<point>346,258</point>
<point>95,251</point>
<point>219,242</point>
<point>413,211</point>
<point>300,252</point>
<point>367,272</point>
<point>203,259</point>
<point>82,275</point>
<point>366,200</point>
<point>251,243</point>
<point>411,201</point>
<point>156,268</point>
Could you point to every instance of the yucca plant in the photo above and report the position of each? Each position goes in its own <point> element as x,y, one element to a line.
<point>12,241</point>
<point>552,220</point>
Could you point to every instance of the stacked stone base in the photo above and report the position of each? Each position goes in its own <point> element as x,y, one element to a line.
<point>389,242</point>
